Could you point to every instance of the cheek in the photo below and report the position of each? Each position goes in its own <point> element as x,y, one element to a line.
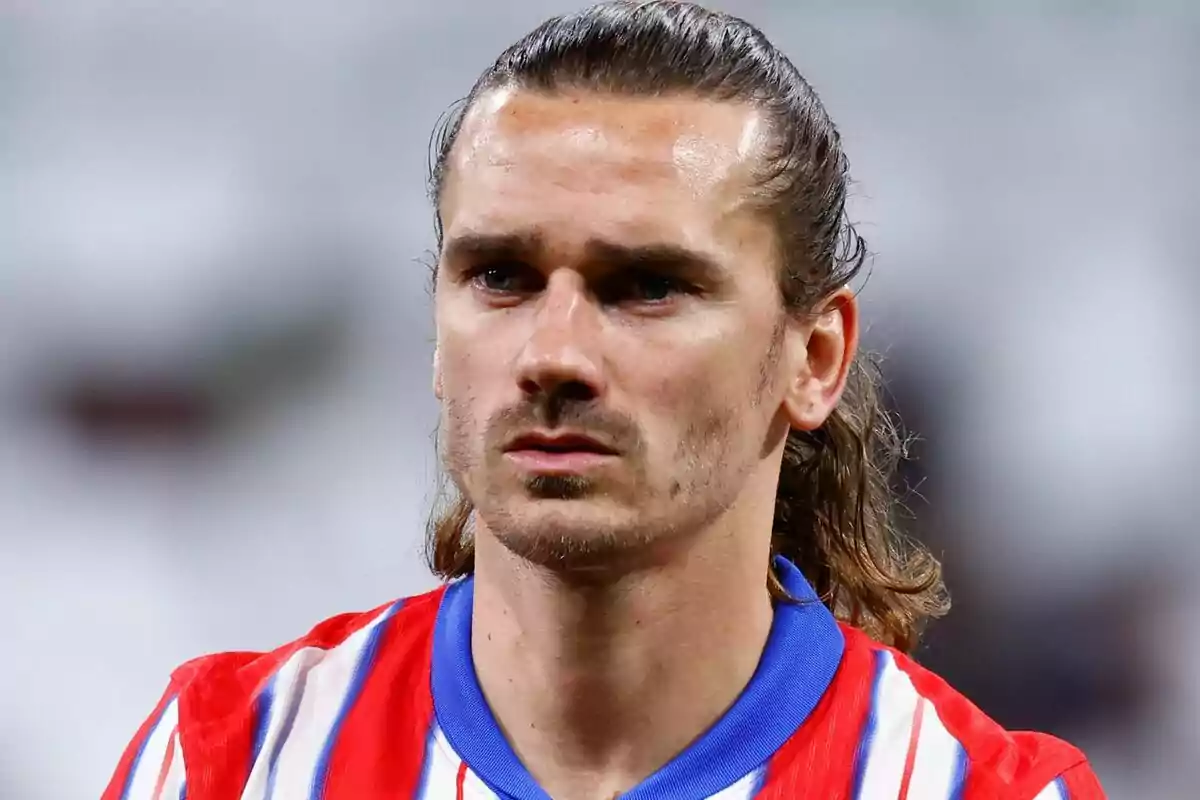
<point>684,393</point>
<point>464,418</point>
<point>698,400</point>
<point>465,383</point>
<point>471,363</point>
<point>714,369</point>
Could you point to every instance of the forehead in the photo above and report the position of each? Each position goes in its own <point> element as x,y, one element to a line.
<point>580,166</point>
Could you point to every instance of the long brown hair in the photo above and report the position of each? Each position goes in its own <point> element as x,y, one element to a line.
<point>835,510</point>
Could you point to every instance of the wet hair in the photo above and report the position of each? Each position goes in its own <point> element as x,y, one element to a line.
<point>836,505</point>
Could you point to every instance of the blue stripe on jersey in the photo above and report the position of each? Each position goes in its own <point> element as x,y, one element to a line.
<point>183,791</point>
<point>141,751</point>
<point>262,719</point>
<point>1061,785</point>
<point>960,774</point>
<point>863,753</point>
<point>798,663</point>
<point>366,660</point>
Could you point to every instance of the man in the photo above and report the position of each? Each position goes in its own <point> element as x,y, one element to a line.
<point>673,569</point>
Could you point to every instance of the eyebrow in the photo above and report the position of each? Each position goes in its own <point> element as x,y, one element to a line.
<point>468,247</point>
<point>530,246</point>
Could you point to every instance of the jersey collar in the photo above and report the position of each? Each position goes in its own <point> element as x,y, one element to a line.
<point>802,654</point>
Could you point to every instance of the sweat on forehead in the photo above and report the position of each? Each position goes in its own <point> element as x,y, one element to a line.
<point>705,142</point>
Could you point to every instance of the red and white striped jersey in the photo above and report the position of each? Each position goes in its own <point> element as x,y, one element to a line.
<point>385,704</point>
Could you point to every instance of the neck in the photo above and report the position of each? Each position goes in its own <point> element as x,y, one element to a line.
<point>597,686</point>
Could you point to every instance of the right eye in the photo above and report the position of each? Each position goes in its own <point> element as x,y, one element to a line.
<point>504,278</point>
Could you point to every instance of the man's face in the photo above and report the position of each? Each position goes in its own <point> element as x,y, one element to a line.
<point>609,330</point>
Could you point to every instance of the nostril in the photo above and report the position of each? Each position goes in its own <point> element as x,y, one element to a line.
<point>576,390</point>
<point>561,391</point>
<point>529,387</point>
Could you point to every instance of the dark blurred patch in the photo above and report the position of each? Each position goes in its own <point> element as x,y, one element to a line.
<point>101,409</point>
<point>247,368</point>
<point>1080,664</point>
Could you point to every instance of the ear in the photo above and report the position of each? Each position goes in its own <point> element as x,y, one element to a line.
<point>824,344</point>
<point>437,372</point>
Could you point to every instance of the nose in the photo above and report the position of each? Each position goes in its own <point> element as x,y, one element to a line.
<point>561,357</point>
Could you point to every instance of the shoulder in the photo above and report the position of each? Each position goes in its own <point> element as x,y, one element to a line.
<point>239,677</point>
<point>918,722</point>
<point>219,710</point>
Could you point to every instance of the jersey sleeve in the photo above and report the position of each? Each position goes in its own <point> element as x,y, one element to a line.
<point>1077,783</point>
<point>152,768</point>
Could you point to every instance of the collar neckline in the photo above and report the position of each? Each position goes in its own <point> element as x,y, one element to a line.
<point>802,653</point>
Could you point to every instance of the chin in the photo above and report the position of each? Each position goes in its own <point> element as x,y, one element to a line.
<point>570,536</point>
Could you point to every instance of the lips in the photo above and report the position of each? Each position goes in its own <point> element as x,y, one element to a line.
<point>559,443</point>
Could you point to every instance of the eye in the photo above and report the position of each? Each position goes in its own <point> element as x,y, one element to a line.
<point>643,286</point>
<point>656,288</point>
<point>504,277</point>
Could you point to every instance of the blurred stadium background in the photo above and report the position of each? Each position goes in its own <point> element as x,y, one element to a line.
<point>215,340</point>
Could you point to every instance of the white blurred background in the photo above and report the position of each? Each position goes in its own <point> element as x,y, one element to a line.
<point>215,416</point>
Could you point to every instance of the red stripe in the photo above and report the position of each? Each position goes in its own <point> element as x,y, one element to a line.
<point>911,758</point>
<point>1000,763</point>
<point>116,786</point>
<point>461,781</point>
<point>168,757</point>
<point>218,712</point>
<point>1082,784</point>
<point>380,751</point>
<point>217,720</point>
<point>818,761</point>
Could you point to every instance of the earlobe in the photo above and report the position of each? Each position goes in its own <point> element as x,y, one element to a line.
<point>825,357</point>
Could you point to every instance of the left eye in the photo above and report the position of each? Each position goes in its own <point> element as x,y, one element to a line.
<point>655,287</point>
<point>643,287</point>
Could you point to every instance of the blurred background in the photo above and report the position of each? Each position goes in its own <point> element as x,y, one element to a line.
<point>215,337</point>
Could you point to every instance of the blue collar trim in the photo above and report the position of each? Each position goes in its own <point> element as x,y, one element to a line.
<point>802,654</point>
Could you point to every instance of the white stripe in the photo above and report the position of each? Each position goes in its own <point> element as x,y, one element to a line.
<point>742,790</point>
<point>441,774</point>
<point>441,769</point>
<point>145,775</point>
<point>895,705</point>
<point>1053,791</point>
<point>936,765</point>
<point>176,776</point>
<point>308,694</point>
<point>475,789</point>
<point>286,689</point>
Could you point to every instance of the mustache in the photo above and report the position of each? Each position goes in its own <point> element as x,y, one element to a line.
<point>585,418</point>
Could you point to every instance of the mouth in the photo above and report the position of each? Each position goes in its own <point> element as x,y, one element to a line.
<point>562,443</point>
<point>562,454</point>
